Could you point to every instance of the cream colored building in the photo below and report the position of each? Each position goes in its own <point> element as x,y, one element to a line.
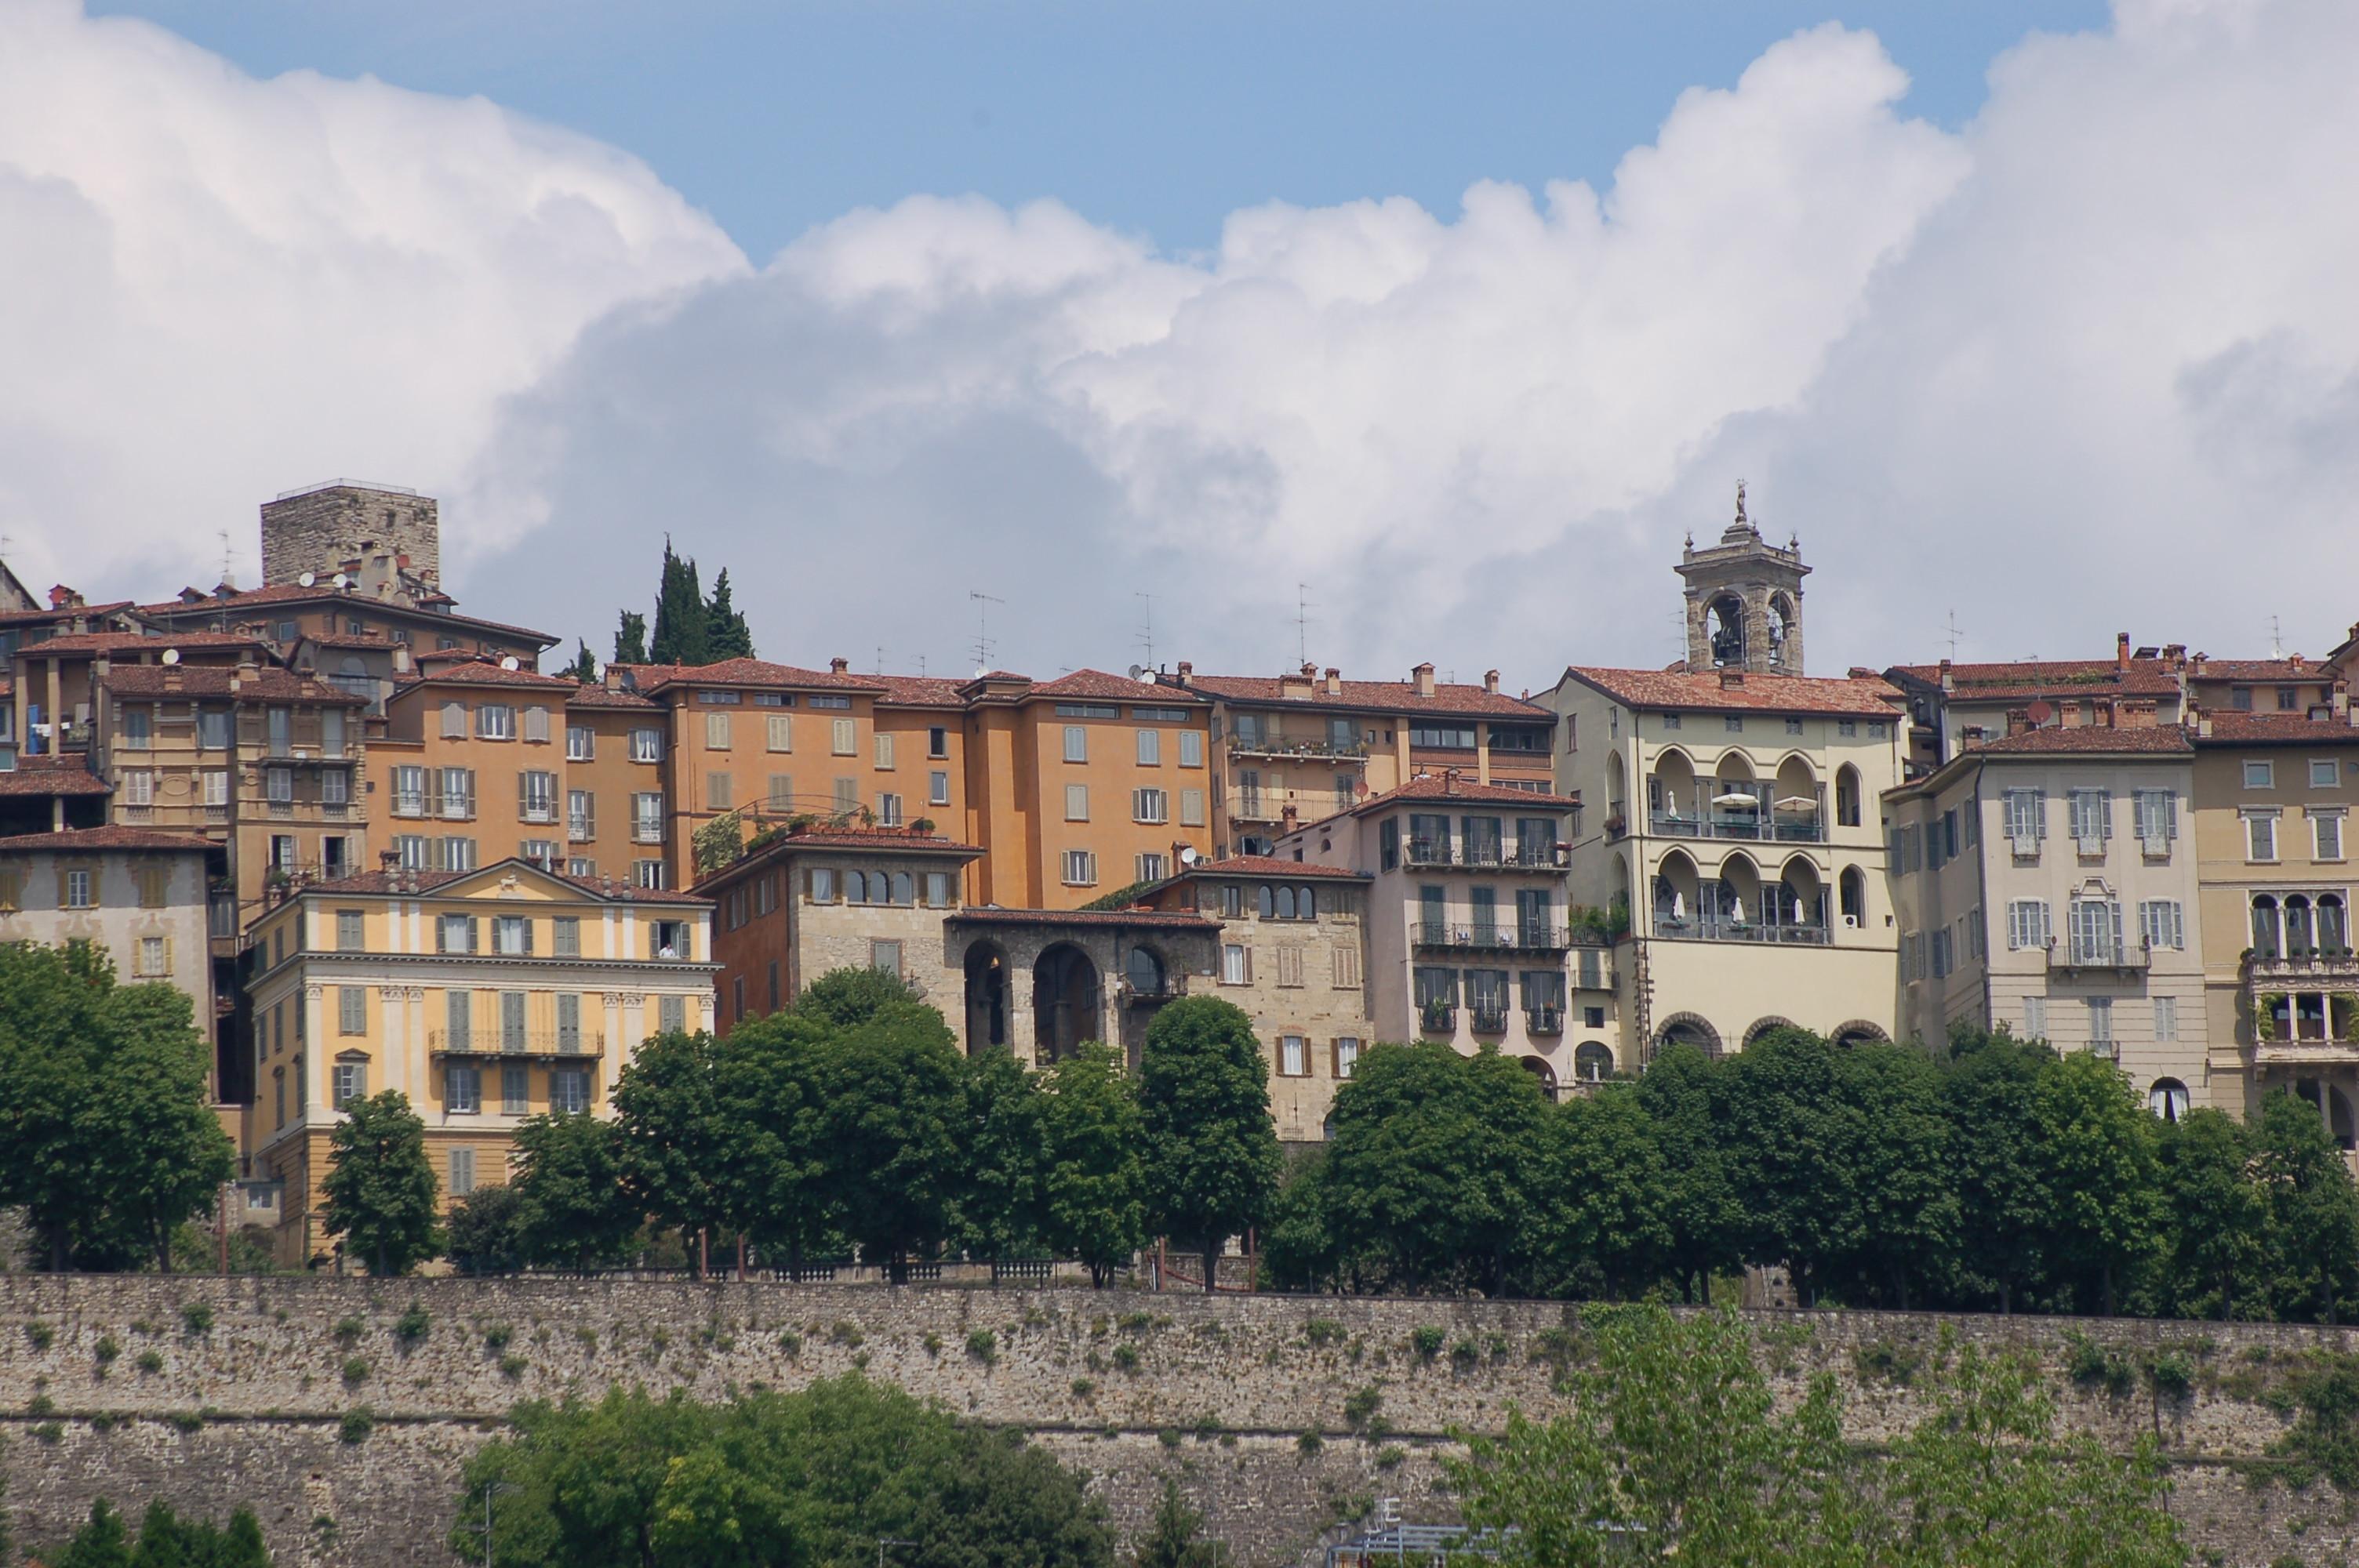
<point>484,995</point>
<point>2274,793</point>
<point>2045,882</point>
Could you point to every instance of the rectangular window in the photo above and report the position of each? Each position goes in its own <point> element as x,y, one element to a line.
<point>335,787</point>
<point>580,743</point>
<point>537,796</point>
<point>351,926</point>
<point>889,809</point>
<point>937,890</point>
<point>716,731</point>
<point>154,957</point>
<point>458,793</point>
<point>780,733</point>
<point>463,1095</point>
<point>154,885</point>
<point>938,788</point>
<point>2027,819</point>
<point>78,889</point>
<point>647,745</point>
<point>580,815</point>
<point>352,1009</point>
<point>409,791</point>
<point>885,955</point>
<point>454,721</point>
<point>2100,1020</point>
<point>536,726</point>
<point>511,935</point>
<point>829,702</point>
<point>847,795</point>
<point>844,737</point>
<point>2091,815</point>
<point>1150,868</point>
<point>2165,1017</point>
<point>1289,966</point>
<point>1077,803</point>
<point>138,787</point>
<point>1080,868</point>
<point>937,742</point>
<point>566,933</point>
<point>2158,820</point>
<point>516,1090</point>
<point>2035,1018</point>
<point>2260,773</point>
<point>1734,723</point>
<point>2162,921</point>
<point>2326,835</point>
<point>569,1090</point>
<point>455,933</point>
<point>1435,989</point>
<point>716,792</point>
<point>671,1013</point>
<point>1077,743</point>
<point>2323,772</point>
<point>1347,1055</point>
<point>1233,902</point>
<point>135,730</point>
<point>1150,748</point>
<point>822,884</point>
<point>882,746</point>
<point>568,1023</point>
<point>646,817</point>
<point>496,721</point>
<point>1191,749</point>
<point>1293,1056</point>
<point>668,939</point>
<point>1940,951</point>
<point>1149,805</point>
<point>462,1166</point>
<point>2260,836</point>
<point>348,1083</point>
<point>1087,710</point>
<point>1191,808</point>
<point>2096,930</point>
<point>1442,737</point>
<point>278,785</point>
<point>1236,964</point>
<point>455,854</point>
<point>216,788</point>
<point>411,850</point>
<point>2026,922</point>
<point>578,866</point>
<point>212,729</point>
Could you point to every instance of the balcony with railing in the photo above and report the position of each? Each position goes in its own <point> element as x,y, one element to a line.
<point>1313,748</point>
<point>1480,855</point>
<point>555,1045</point>
<point>1544,1021</point>
<point>2074,954</point>
<point>1489,1017</point>
<point>1438,1017</point>
<point>1493,938</point>
<point>1687,928</point>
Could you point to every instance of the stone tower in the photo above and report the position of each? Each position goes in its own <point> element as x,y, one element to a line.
<point>1745,600</point>
<point>324,529</point>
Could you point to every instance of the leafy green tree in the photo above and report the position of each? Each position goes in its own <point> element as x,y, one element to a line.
<point>486,1231</point>
<point>631,639</point>
<point>1801,1208</point>
<point>104,1542</point>
<point>1431,1165</point>
<point>673,1133</point>
<point>679,636</point>
<point>2215,1219</point>
<point>106,1139</point>
<point>1211,1149</point>
<point>2313,1212</point>
<point>1002,1215</point>
<point>1596,1200</point>
<point>847,998</point>
<point>242,1545</point>
<point>1887,1119</point>
<point>572,1209</point>
<point>1175,1536</point>
<point>583,665</point>
<point>725,632</point>
<point>1996,1169</point>
<point>380,1186</point>
<point>893,1112</point>
<point>1681,1093</point>
<point>2095,1142</point>
<point>774,1158</point>
<point>811,1477</point>
<point>1671,1438</point>
<point>1297,1253</point>
<point>1093,1175</point>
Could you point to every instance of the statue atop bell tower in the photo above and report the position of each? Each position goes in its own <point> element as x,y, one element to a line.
<point>1745,600</point>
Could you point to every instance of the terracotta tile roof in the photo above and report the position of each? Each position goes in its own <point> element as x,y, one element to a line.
<point>1268,866</point>
<point>920,691</point>
<point>1704,692</point>
<point>2259,670</point>
<point>51,775</point>
<point>2230,728</point>
<point>286,595</point>
<point>108,837</point>
<point>2027,678</point>
<point>1376,696</point>
<point>350,639</point>
<point>857,842</point>
<point>399,883</point>
<point>601,696</point>
<point>746,672</point>
<point>479,671</point>
<point>995,916</point>
<point>1429,786</point>
<point>1121,688</point>
<point>2084,740</point>
<point>268,685</point>
<point>36,617</point>
<point>117,642</point>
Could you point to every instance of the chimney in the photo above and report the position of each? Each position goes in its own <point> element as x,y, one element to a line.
<point>2339,702</point>
<point>1295,685</point>
<point>63,597</point>
<point>1187,671</point>
<point>1949,679</point>
<point>2175,655</point>
<point>2294,660</point>
<point>839,666</point>
<point>1491,681</point>
<point>1421,678</point>
<point>2121,650</point>
<point>401,662</point>
<point>1732,680</point>
<point>1289,819</point>
<point>2201,659</point>
<point>1334,682</point>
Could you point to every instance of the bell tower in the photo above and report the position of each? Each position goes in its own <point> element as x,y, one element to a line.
<point>1745,600</point>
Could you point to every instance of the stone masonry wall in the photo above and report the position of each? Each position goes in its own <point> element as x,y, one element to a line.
<point>1126,1384</point>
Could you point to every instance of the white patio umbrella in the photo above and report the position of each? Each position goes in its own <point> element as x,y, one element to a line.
<point>1736,797</point>
<point>1796,803</point>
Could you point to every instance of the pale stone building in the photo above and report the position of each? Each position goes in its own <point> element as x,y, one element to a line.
<point>484,995</point>
<point>2045,882</point>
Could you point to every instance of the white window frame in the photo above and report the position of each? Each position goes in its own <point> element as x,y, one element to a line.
<point>1150,748</point>
<point>496,721</point>
<point>844,736</point>
<point>646,746</point>
<point>1077,742</point>
<point>580,743</point>
<point>2254,821</point>
<point>2261,773</point>
<point>2330,768</point>
<point>2324,825</point>
<point>1077,803</point>
<point>1151,806</point>
<point>1081,868</point>
<point>1191,749</point>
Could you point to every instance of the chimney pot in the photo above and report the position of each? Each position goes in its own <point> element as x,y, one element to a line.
<point>1334,682</point>
<point>2121,650</point>
<point>1491,680</point>
<point>1187,671</point>
<point>839,666</point>
<point>1309,670</point>
<point>1421,678</point>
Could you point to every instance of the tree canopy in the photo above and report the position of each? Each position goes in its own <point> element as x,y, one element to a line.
<point>689,628</point>
<point>380,1190</point>
<point>1211,1149</point>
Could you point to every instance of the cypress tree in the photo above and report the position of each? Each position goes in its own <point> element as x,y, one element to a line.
<point>631,640</point>
<point>584,664</point>
<point>680,633</point>
<point>727,635</point>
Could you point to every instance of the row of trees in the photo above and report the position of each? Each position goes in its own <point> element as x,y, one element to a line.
<point>689,629</point>
<point>1999,1175</point>
<point>850,1120</point>
<point>164,1539</point>
<point>107,1141</point>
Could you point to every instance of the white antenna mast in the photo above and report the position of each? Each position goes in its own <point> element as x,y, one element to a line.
<point>225,555</point>
<point>2277,639</point>
<point>1301,622</point>
<point>1955,633</point>
<point>1146,638</point>
<point>983,642</point>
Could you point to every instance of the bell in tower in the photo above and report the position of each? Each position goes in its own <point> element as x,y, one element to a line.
<point>1745,600</point>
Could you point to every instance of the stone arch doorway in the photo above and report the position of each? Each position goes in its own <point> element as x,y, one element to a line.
<point>1687,1029</point>
<point>1064,1003</point>
<point>1859,1032</point>
<point>986,995</point>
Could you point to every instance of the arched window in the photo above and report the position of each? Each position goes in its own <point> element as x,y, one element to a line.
<point>1305,906</point>
<point>1725,622</point>
<point>2168,1099</point>
<point>2297,924</point>
<point>1145,972</point>
<point>856,887</point>
<point>1847,797</point>
<point>1266,900</point>
<point>1854,898</point>
<point>904,890</point>
<point>1285,903</point>
<point>1592,1061</point>
<point>2265,927</point>
<point>2333,924</point>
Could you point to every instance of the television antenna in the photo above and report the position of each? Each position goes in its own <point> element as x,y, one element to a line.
<point>1955,633</point>
<point>983,642</point>
<point>1301,622</point>
<point>223,534</point>
<point>2277,639</point>
<point>1146,638</point>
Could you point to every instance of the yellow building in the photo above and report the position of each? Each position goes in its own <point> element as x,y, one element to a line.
<point>484,995</point>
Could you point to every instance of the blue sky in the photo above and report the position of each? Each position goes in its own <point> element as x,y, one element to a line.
<point>1148,116</point>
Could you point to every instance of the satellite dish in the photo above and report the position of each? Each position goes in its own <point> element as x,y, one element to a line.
<point>307,580</point>
<point>509,663</point>
<point>171,656</point>
<point>340,580</point>
<point>1138,672</point>
<point>2039,713</point>
<point>1187,857</point>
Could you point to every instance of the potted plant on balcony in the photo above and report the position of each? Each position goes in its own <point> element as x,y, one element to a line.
<point>1435,1015</point>
<point>2264,1014</point>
